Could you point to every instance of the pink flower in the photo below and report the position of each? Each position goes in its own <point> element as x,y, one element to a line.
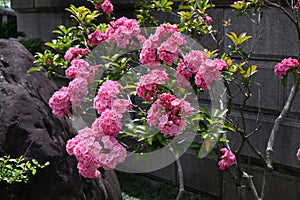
<point>288,64</point>
<point>98,6</point>
<point>109,123</point>
<point>194,59</point>
<point>113,153</point>
<point>120,106</point>
<point>60,103</point>
<point>200,82</point>
<point>207,72</point>
<point>185,69</point>
<point>94,152</point>
<point>148,57</point>
<point>71,72</point>
<point>81,68</point>
<point>208,19</point>
<point>227,159</point>
<point>147,84</point>
<point>298,154</point>
<point>123,31</point>
<point>96,38</point>
<point>106,94</point>
<point>166,114</point>
<point>75,53</point>
<point>167,51</point>
<point>78,89</point>
<point>221,64</point>
<point>163,31</point>
<point>107,7</point>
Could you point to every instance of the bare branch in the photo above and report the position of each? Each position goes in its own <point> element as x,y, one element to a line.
<point>282,10</point>
<point>180,175</point>
<point>249,179</point>
<point>271,141</point>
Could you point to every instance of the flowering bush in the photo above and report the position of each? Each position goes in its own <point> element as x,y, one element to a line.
<point>159,96</point>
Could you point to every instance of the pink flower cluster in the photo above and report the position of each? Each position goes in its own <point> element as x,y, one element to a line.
<point>169,50</point>
<point>109,123</point>
<point>106,6</point>
<point>74,94</point>
<point>148,57</point>
<point>164,44</point>
<point>207,72</point>
<point>110,108</point>
<point>197,64</point>
<point>81,69</point>
<point>75,53</point>
<point>221,64</point>
<point>227,159</point>
<point>97,147</point>
<point>287,64</point>
<point>123,31</point>
<point>60,103</point>
<point>78,89</point>
<point>93,151</point>
<point>96,38</point>
<point>147,86</point>
<point>107,93</point>
<point>166,114</point>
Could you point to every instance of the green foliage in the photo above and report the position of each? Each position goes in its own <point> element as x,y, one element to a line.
<point>17,169</point>
<point>4,3</point>
<point>76,36</point>
<point>52,62</point>
<point>193,17</point>
<point>145,10</point>
<point>8,30</point>
<point>34,45</point>
<point>247,6</point>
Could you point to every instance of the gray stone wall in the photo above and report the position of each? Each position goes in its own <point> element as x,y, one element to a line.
<point>273,39</point>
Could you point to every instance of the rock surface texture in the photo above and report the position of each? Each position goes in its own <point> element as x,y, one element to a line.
<point>28,128</point>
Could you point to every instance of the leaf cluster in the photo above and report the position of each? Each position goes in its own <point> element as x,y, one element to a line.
<point>17,169</point>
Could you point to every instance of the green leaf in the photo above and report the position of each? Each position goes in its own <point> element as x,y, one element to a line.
<point>284,80</point>
<point>33,171</point>
<point>229,127</point>
<point>195,145</point>
<point>161,139</point>
<point>34,69</point>
<point>223,140</point>
<point>251,70</point>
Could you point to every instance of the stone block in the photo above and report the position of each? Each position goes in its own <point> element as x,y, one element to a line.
<point>201,174</point>
<point>286,142</point>
<point>41,24</point>
<point>20,4</point>
<point>282,186</point>
<point>273,37</point>
<point>267,94</point>
<point>57,3</point>
<point>167,174</point>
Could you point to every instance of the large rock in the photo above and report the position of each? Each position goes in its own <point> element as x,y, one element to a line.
<point>28,128</point>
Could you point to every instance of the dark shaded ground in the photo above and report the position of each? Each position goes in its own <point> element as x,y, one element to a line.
<point>138,187</point>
